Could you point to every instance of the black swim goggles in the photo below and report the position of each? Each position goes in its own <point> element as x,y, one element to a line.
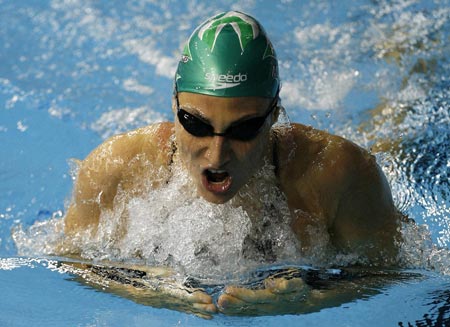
<point>243,131</point>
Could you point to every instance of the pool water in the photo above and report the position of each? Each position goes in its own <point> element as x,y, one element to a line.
<point>75,72</point>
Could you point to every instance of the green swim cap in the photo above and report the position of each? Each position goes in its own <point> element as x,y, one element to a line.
<point>229,55</point>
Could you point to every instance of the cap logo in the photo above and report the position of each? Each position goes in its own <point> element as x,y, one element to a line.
<point>222,81</point>
<point>244,26</point>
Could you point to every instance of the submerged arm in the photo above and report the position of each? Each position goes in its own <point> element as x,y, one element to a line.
<point>152,286</point>
<point>298,293</point>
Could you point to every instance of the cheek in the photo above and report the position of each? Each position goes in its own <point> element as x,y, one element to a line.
<point>188,146</point>
<point>250,153</point>
<point>243,151</point>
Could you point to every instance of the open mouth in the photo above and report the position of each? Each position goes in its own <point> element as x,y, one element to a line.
<point>216,176</point>
<point>216,180</point>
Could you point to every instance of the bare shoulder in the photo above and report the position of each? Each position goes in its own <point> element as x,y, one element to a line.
<point>333,182</point>
<point>126,162</point>
<point>152,141</point>
<point>125,158</point>
<point>309,157</point>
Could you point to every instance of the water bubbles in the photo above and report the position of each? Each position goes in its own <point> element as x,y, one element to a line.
<point>42,238</point>
<point>125,119</point>
<point>191,234</point>
<point>171,226</point>
<point>21,126</point>
<point>174,227</point>
<point>11,102</point>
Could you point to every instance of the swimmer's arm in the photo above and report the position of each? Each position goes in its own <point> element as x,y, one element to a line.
<point>366,220</point>
<point>96,185</point>
<point>294,296</point>
<point>106,167</point>
<point>152,286</point>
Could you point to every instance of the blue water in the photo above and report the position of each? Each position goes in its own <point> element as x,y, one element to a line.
<point>74,72</point>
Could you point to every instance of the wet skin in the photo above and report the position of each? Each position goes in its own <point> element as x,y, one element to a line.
<point>238,159</point>
<point>335,191</point>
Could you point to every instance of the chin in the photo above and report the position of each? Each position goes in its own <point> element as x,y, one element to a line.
<point>216,198</point>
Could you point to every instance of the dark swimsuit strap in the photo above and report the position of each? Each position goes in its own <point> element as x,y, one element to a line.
<point>173,148</point>
<point>275,160</point>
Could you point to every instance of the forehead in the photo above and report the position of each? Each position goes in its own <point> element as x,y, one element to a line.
<point>211,106</point>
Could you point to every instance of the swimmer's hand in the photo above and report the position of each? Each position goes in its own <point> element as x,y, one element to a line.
<point>181,298</point>
<point>287,292</point>
<point>280,295</point>
<point>153,286</point>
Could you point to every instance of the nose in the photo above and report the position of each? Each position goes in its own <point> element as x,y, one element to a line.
<point>218,153</point>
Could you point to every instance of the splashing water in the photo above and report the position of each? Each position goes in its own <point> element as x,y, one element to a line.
<point>412,131</point>
<point>171,226</point>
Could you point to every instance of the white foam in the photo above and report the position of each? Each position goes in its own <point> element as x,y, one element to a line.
<point>131,84</point>
<point>42,238</point>
<point>125,119</point>
<point>14,263</point>
<point>172,226</point>
<point>323,91</point>
<point>148,52</point>
<point>418,250</point>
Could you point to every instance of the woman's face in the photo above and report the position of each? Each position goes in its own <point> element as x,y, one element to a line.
<point>220,165</point>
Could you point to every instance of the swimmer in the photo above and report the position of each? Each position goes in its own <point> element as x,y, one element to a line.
<point>226,105</point>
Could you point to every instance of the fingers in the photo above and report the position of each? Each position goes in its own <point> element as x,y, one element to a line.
<point>199,296</point>
<point>201,304</point>
<point>274,290</point>
<point>283,286</point>
<point>236,300</point>
<point>251,296</point>
<point>279,295</point>
<point>229,304</point>
<point>195,301</point>
<point>209,307</point>
<point>191,296</point>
